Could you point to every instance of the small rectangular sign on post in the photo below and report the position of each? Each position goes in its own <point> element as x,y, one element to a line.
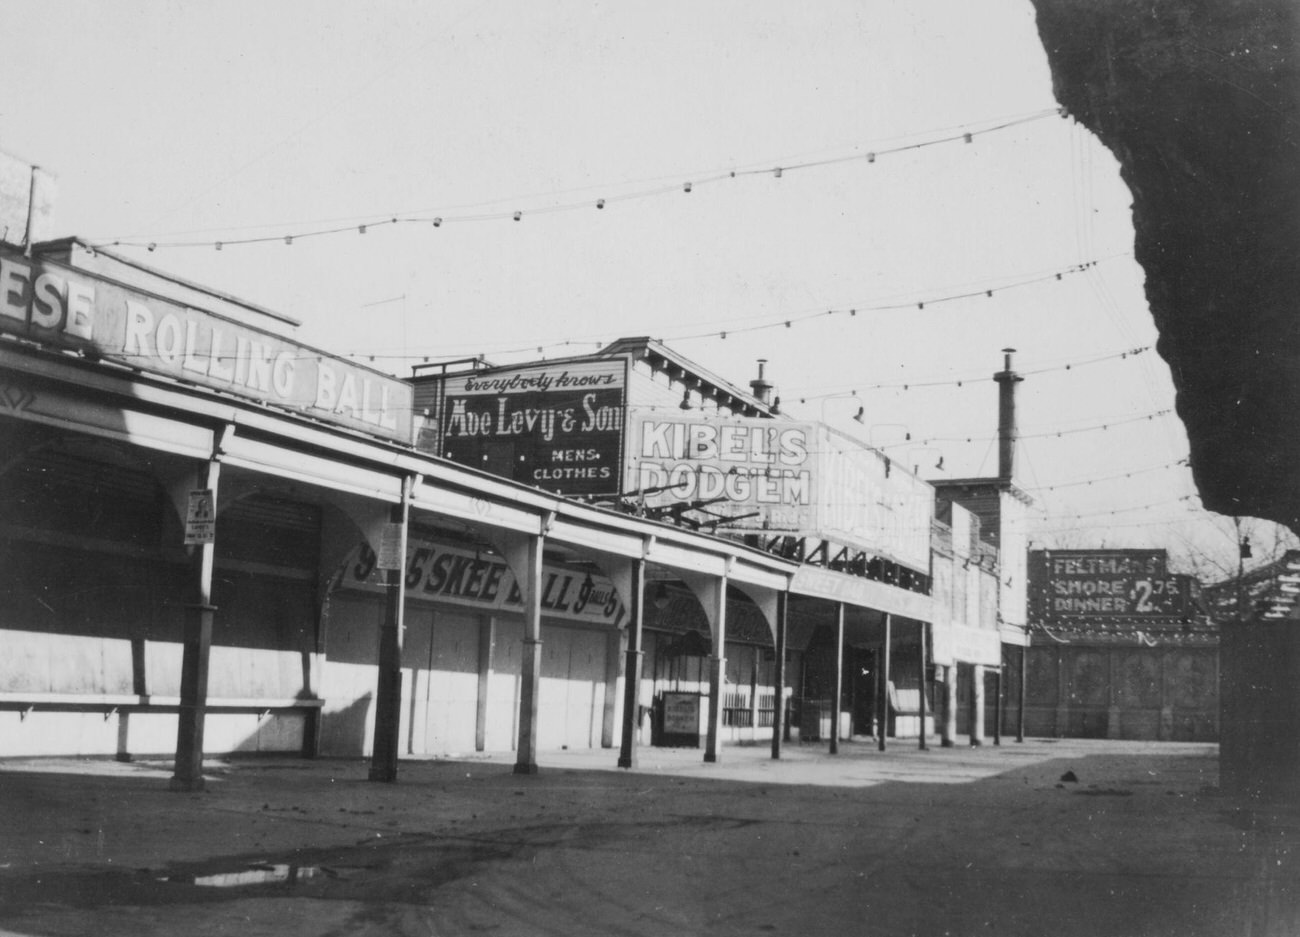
<point>201,517</point>
<point>390,548</point>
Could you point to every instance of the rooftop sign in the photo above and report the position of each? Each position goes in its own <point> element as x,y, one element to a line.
<point>754,474</point>
<point>56,305</point>
<point>555,425</point>
<point>779,476</point>
<point>1106,585</point>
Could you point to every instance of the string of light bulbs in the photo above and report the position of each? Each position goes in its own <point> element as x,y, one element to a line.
<point>581,345</point>
<point>1183,499</point>
<point>1105,478</point>
<point>429,218</point>
<point>1051,434</point>
<point>961,382</point>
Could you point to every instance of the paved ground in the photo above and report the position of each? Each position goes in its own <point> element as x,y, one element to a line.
<point>990,841</point>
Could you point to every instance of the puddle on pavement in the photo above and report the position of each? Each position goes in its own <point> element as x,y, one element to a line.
<point>277,874</point>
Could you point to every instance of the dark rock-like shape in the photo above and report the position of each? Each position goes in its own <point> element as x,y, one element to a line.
<point>1200,103</point>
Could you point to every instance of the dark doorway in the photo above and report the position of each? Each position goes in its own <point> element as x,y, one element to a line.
<point>863,687</point>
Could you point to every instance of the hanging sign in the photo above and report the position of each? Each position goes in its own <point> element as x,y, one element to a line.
<point>458,575</point>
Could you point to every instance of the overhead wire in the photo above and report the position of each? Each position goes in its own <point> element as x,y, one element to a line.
<point>1051,434</point>
<point>362,224</point>
<point>788,321</point>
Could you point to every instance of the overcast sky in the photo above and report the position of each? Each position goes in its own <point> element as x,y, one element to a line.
<point>185,123</point>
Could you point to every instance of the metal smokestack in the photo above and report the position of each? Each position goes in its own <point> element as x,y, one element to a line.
<point>1007,380</point>
<point>761,388</point>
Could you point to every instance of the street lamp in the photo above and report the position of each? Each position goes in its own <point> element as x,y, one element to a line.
<point>871,437</point>
<point>916,454</point>
<point>859,416</point>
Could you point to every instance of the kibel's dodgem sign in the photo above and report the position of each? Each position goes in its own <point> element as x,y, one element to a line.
<point>57,305</point>
<point>748,473</point>
<point>557,425</point>
<point>1078,585</point>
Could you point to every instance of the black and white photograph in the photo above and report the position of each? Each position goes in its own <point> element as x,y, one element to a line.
<point>663,469</point>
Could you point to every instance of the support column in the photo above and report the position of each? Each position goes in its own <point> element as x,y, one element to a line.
<point>633,661</point>
<point>1061,726</point>
<point>717,669</point>
<point>487,628</point>
<point>1024,679</point>
<point>778,673</point>
<point>615,651</point>
<point>922,742</point>
<point>948,735</point>
<point>1112,696</point>
<point>977,705</point>
<point>388,692</point>
<point>140,687</point>
<point>884,682</point>
<point>838,692</point>
<point>197,649</point>
<point>1165,731</point>
<point>998,709</point>
<point>312,685</point>
<point>529,559</point>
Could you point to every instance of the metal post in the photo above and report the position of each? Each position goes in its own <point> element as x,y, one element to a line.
<point>632,667</point>
<point>839,678</point>
<point>530,678</point>
<point>388,691</point>
<point>717,672</point>
<point>998,709</point>
<point>884,683</point>
<point>188,775</point>
<point>948,737</point>
<point>615,654</point>
<point>778,673</point>
<point>1024,678</point>
<point>923,744</point>
<point>487,627</point>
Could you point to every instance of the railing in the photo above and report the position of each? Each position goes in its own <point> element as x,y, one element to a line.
<point>108,703</point>
<point>736,710</point>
